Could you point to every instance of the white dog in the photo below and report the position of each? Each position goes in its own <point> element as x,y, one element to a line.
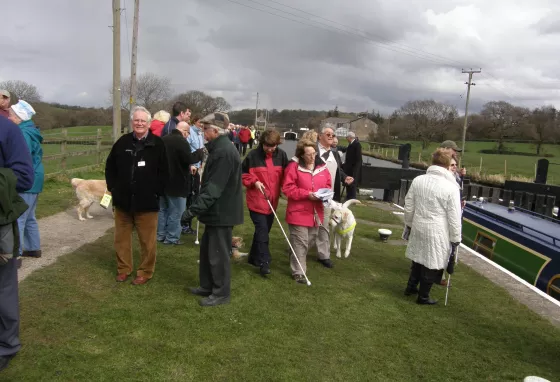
<point>88,192</point>
<point>343,225</point>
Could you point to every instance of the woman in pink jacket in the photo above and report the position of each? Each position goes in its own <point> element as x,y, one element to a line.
<point>304,176</point>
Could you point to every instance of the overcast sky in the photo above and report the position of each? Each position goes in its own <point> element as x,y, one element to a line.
<point>413,50</point>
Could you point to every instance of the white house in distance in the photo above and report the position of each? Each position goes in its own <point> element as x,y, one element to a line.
<point>362,126</point>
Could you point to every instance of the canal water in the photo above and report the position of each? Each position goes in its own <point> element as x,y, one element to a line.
<point>290,147</point>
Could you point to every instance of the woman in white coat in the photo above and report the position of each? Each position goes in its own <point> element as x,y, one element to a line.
<point>433,211</point>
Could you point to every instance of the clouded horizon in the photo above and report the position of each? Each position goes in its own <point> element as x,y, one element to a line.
<point>412,50</point>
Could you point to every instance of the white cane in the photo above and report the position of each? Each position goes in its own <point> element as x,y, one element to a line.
<point>286,236</point>
<point>447,289</point>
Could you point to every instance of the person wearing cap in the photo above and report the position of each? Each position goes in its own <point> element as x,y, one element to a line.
<point>136,172</point>
<point>4,103</point>
<point>30,238</point>
<point>219,206</point>
<point>15,157</point>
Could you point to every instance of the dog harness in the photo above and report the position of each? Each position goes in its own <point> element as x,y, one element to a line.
<point>346,230</point>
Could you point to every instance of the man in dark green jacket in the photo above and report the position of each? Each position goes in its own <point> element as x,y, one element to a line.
<point>219,206</point>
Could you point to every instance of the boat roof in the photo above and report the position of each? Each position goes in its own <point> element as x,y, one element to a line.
<point>529,222</point>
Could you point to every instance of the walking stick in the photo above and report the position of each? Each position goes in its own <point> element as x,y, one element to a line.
<point>447,289</point>
<point>286,236</point>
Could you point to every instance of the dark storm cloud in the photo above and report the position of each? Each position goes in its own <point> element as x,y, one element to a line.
<point>411,50</point>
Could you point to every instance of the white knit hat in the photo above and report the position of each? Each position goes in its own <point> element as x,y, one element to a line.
<point>23,110</point>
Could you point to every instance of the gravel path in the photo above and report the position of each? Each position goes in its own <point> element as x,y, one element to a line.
<point>63,233</point>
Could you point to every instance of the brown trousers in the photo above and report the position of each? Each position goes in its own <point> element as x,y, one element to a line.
<point>146,227</point>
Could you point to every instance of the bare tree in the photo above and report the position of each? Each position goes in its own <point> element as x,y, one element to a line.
<point>542,123</point>
<point>504,120</point>
<point>429,119</point>
<point>201,103</point>
<point>21,90</point>
<point>152,90</point>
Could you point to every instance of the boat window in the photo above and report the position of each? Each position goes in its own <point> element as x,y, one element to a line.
<point>484,244</point>
<point>554,287</point>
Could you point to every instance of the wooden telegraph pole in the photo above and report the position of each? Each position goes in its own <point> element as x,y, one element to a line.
<point>133,84</point>
<point>470,72</point>
<point>116,70</point>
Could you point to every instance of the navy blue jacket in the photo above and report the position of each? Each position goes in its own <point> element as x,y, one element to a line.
<point>14,154</point>
<point>169,126</point>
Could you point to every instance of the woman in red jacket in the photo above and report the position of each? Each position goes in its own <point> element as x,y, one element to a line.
<point>263,171</point>
<point>304,176</point>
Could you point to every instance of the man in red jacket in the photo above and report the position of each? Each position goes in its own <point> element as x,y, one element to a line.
<point>244,137</point>
<point>262,174</point>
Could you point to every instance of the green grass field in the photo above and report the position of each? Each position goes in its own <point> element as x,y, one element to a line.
<point>510,165</point>
<point>54,165</point>
<point>352,324</point>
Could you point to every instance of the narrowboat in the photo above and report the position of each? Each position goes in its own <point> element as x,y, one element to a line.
<point>524,242</point>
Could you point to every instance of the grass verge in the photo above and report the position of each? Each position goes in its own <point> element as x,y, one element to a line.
<point>352,324</point>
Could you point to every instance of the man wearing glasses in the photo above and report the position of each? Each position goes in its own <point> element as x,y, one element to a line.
<point>4,103</point>
<point>136,171</point>
<point>338,175</point>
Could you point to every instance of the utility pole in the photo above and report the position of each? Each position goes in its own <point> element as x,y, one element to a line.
<point>133,84</point>
<point>256,112</point>
<point>116,70</point>
<point>470,72</point>
<point>266,119</point>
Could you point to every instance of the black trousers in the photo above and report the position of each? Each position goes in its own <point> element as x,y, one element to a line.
<point>251,143</point>
<point>351,191</point>
<point>9,309</point>
<point>426,277</point>
<point>195,190</point>
<point>214,267</point>
<point>243,148</point>
<point>260,252</point>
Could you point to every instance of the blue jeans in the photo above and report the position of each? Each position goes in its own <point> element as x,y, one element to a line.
<point>29,238</point>
<point>171,209</point>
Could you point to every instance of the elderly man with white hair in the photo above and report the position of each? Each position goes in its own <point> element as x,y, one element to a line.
<point>219,206</point>
<point>353,164</point>
<point>136,172</point>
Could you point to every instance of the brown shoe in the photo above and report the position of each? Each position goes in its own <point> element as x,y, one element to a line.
<point>121,277</point>
<point>140,280</point>
<point>35,254</point>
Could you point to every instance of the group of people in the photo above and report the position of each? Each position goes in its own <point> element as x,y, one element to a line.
<point>21,182</point>
<point>148,178</point>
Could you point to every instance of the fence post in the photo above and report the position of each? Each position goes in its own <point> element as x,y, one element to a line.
<point>98,146</point>
<point>63,148</point>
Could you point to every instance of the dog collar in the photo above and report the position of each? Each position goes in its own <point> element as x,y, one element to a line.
<point>346,230</point>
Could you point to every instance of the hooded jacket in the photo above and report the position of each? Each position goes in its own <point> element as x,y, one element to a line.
<point>268,169</point>
<point>33,138</point>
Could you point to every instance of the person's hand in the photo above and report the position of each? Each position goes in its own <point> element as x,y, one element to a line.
<point>259,186</point>
<point>463,204</point>
<point>312,196</point>
<point>349,180</point>
<point>193,170</point>
<point>188,215</point>
<point>463,171</point>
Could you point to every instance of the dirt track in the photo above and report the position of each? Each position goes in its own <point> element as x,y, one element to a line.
<point>63,233</point>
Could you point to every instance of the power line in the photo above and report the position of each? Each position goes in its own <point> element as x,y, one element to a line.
<point>335,29</point>
<point>392,42</point>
